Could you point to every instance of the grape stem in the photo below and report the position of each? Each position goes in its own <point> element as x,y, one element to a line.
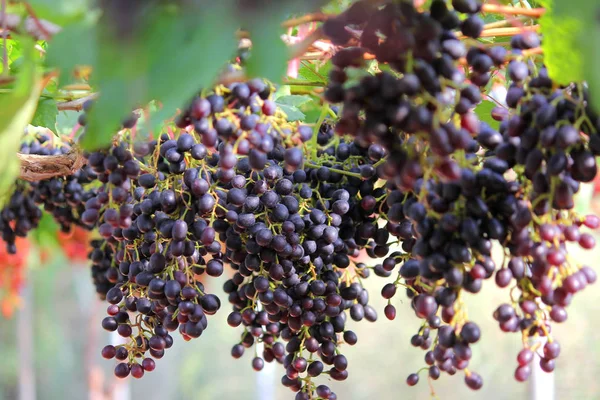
<point>339,171</point>
<point>75,105</point>
<point>508,10</point>
<point>508,31</point>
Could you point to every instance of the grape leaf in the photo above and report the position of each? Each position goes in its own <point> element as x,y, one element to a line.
<point>294,100</point>
<point>205,41</point>
<point>312,73</point>
<point>484,112</point>
<point>45,234</point>
<point>59,11</point>
<point>563,60</point>
<point>571,31</point>
<point>63,55</point>
<point>283,90</point>
<point>269,55</point>
<point>45,114</point>
<point>293,113</point>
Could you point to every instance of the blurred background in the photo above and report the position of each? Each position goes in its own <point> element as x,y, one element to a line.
<point>50,347</point>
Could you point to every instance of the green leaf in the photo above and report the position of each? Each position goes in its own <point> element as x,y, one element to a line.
<point>45,234</point>
<point>573,43</point>
<point>16,111</point>
<point>60,11</point>
<point>561,55</point>
<point>283,90</point>
<point>354,76</point>
<point>484,112</point>
<point>269,53</point>
<point>45,114</point>
<point>294,100</point>
<point>204,42</point>
<point>293,113</point>
<point>311,72</point>
<point>62,54</point>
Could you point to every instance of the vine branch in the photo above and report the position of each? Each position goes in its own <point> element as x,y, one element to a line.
<point>509,10</point>
<point>36,168</point>
<point>75,105</point>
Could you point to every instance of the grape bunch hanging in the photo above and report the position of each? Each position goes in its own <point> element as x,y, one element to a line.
<point>405,173</point>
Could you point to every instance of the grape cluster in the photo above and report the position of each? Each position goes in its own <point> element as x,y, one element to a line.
<point>291,238</point>
<point>456,172</point>
<point>547,136</point>
<point>155,245</point>
<point>414,105</point>
<point>407,174</point>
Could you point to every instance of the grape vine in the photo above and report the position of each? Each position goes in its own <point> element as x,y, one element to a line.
<point>398,167</point>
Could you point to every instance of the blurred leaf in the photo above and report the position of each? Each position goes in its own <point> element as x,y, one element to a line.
<point>62,54</point>
<point>354,76</point>
<point>45,234</point>
<point>294,100</point>
<point>45,114</point>
<point>204,42</point>
<point>65,120</point>
<point>484,112</point>
<point>16,111</point>
<point>572,39</point>
<point>59,11</point>
<point>269,53</point>
<point>311,110</point>
<point>561,36</point>
<point>293,113</point>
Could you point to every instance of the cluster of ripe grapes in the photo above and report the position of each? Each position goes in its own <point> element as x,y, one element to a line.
<point>466,184</point>
<point>407,175</point>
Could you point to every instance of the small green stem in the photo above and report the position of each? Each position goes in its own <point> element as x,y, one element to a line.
<point>305,83</point>
<point>313,145</point>
<point>339,171</point>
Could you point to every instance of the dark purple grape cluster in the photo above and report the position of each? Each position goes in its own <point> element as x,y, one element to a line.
<point>412,106</point>
<point>18,216</point>
<point>156,244</point>
<point>290,233</point>
<point>407,174</point>
<point>457,198</point>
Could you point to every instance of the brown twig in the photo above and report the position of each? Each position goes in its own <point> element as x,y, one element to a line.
<point>36,168</point>
<point>509,21</point>
<point>509,10</point>
<point>530,52</point>
<point>506,31</point>
<point>75,105</point>
<point>37,22</point>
